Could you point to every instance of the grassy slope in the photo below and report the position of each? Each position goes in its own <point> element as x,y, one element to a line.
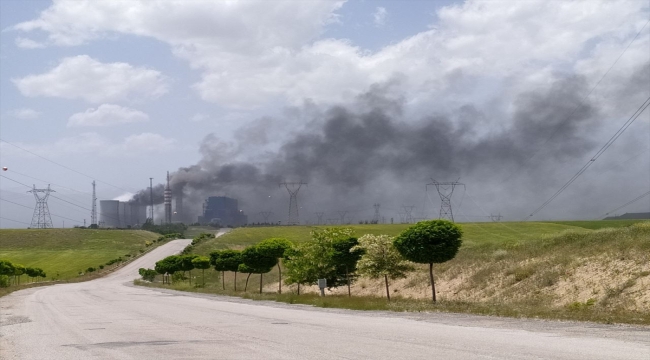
<point>68,251</point>
<point>474,233</point>
<point>562,270</point>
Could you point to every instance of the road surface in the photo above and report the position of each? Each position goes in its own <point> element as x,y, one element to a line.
<point>110,318</point>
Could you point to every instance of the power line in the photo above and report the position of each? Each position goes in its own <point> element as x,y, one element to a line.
<point>56,197</point>
<point>557,129</point>
<point>49,182</point>
<point>21,222</point>
<point>604,148</point>
<point>31,208</point>
<point>63,166</point>
<point>628,203</point>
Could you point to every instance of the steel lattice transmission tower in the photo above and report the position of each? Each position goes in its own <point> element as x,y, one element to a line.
<point>93,211</point>
<point>445,190</point>
<point>293,188</point>
<point>377,217</point>
<point>265,215</point>
<point>319,215</point>
<point>41,218</point>
<point>408,213</point>
<point>342,216</point>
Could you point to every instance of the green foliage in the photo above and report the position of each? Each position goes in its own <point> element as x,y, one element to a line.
<point>255,259</point>
<point>381,258</point>
<point>299,269</point>
<point>19,269</point>
<point>325,256</point>
<point>7,268</point>
<point>4,281</point>
<point>274,247</point>
<point>169,265</point>
<point>226,260</point>
<point>433,241</point>
<point>147,274</point>
<point>345,258</point>
<point>90,269</point>
<point>201,262</point>
<point>185,262</point>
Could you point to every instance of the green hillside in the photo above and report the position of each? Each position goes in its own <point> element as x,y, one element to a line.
<point>62,253</point>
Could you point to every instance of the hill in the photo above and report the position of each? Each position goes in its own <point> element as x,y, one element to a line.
<point>63,253</point>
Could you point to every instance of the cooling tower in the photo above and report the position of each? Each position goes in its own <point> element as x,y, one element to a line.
<point>109,213</point>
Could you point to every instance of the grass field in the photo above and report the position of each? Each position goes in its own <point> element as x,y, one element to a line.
<point>63,253</point>
<point>474,233</point>
<point>574,270</point>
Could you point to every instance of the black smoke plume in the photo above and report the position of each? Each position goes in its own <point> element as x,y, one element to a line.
<point>355,155</point>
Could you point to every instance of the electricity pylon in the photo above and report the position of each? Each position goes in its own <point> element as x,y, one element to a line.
<point>293,188</point>
<point>41,218</point>
<point>445,190</point>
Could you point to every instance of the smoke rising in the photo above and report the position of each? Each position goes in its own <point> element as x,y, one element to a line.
<point>368,151</point>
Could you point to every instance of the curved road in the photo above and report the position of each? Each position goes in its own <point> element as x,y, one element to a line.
<point>109,318</point>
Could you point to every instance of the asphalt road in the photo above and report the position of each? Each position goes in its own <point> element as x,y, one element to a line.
<point>109,318</point>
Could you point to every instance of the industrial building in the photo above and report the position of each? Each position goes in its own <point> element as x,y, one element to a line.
<point>223,211</point>
<point>119,214</point>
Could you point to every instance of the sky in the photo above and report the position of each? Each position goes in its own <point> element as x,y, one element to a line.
<point>364,100</point>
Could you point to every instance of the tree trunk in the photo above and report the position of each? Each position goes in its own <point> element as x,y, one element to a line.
<point>190,277</point>
<point>261,283</point>
<point>223,280</point>
<point>235,281</point>
<point>203,276</point>
<point>298,288</point>
<point>387,292</point>
<point>280,279</point>
<point>248,277</point>
<point>347,277</point>
<point>433,284</point>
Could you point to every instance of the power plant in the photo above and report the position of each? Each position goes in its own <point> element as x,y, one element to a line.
<point>168,202</point>
<point>222,210</point>
<point>119,214</point>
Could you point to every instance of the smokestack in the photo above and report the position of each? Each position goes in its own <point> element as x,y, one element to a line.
<point>168,202</point>
<point>178,196</point>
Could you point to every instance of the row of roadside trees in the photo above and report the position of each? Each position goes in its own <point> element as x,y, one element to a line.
<point>334,254</point>
<point>12,273</point>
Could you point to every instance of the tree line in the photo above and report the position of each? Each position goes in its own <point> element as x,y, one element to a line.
<point>12,273</point>
<point>333,254</point>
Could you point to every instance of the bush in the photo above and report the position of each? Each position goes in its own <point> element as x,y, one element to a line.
<point>147,274</point>
<point>4,281</point>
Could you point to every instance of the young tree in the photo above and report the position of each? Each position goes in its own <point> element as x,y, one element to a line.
<point>245,270</point>
<point>299,270</point>
<point>346,260</point>
<point>19,270</point>
<point>7,268</point>
<point>31,272</point>
<point>201,262</point>
<point>275,247</point>
<point>41,273</point>
<point>185,264</point>
<point>168,265</point>
<point>258,261</point>
<point>429,242</point>
<point>227,260</point>
<point>381,259</point>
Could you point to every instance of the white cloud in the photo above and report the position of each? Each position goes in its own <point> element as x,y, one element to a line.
<point>25,43</point>
<point>82,77</point>
<point>251,53</point>
<point>107,115</point>
<point>98,145</point>
<point>379,16</point>
<point>25,114</point>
